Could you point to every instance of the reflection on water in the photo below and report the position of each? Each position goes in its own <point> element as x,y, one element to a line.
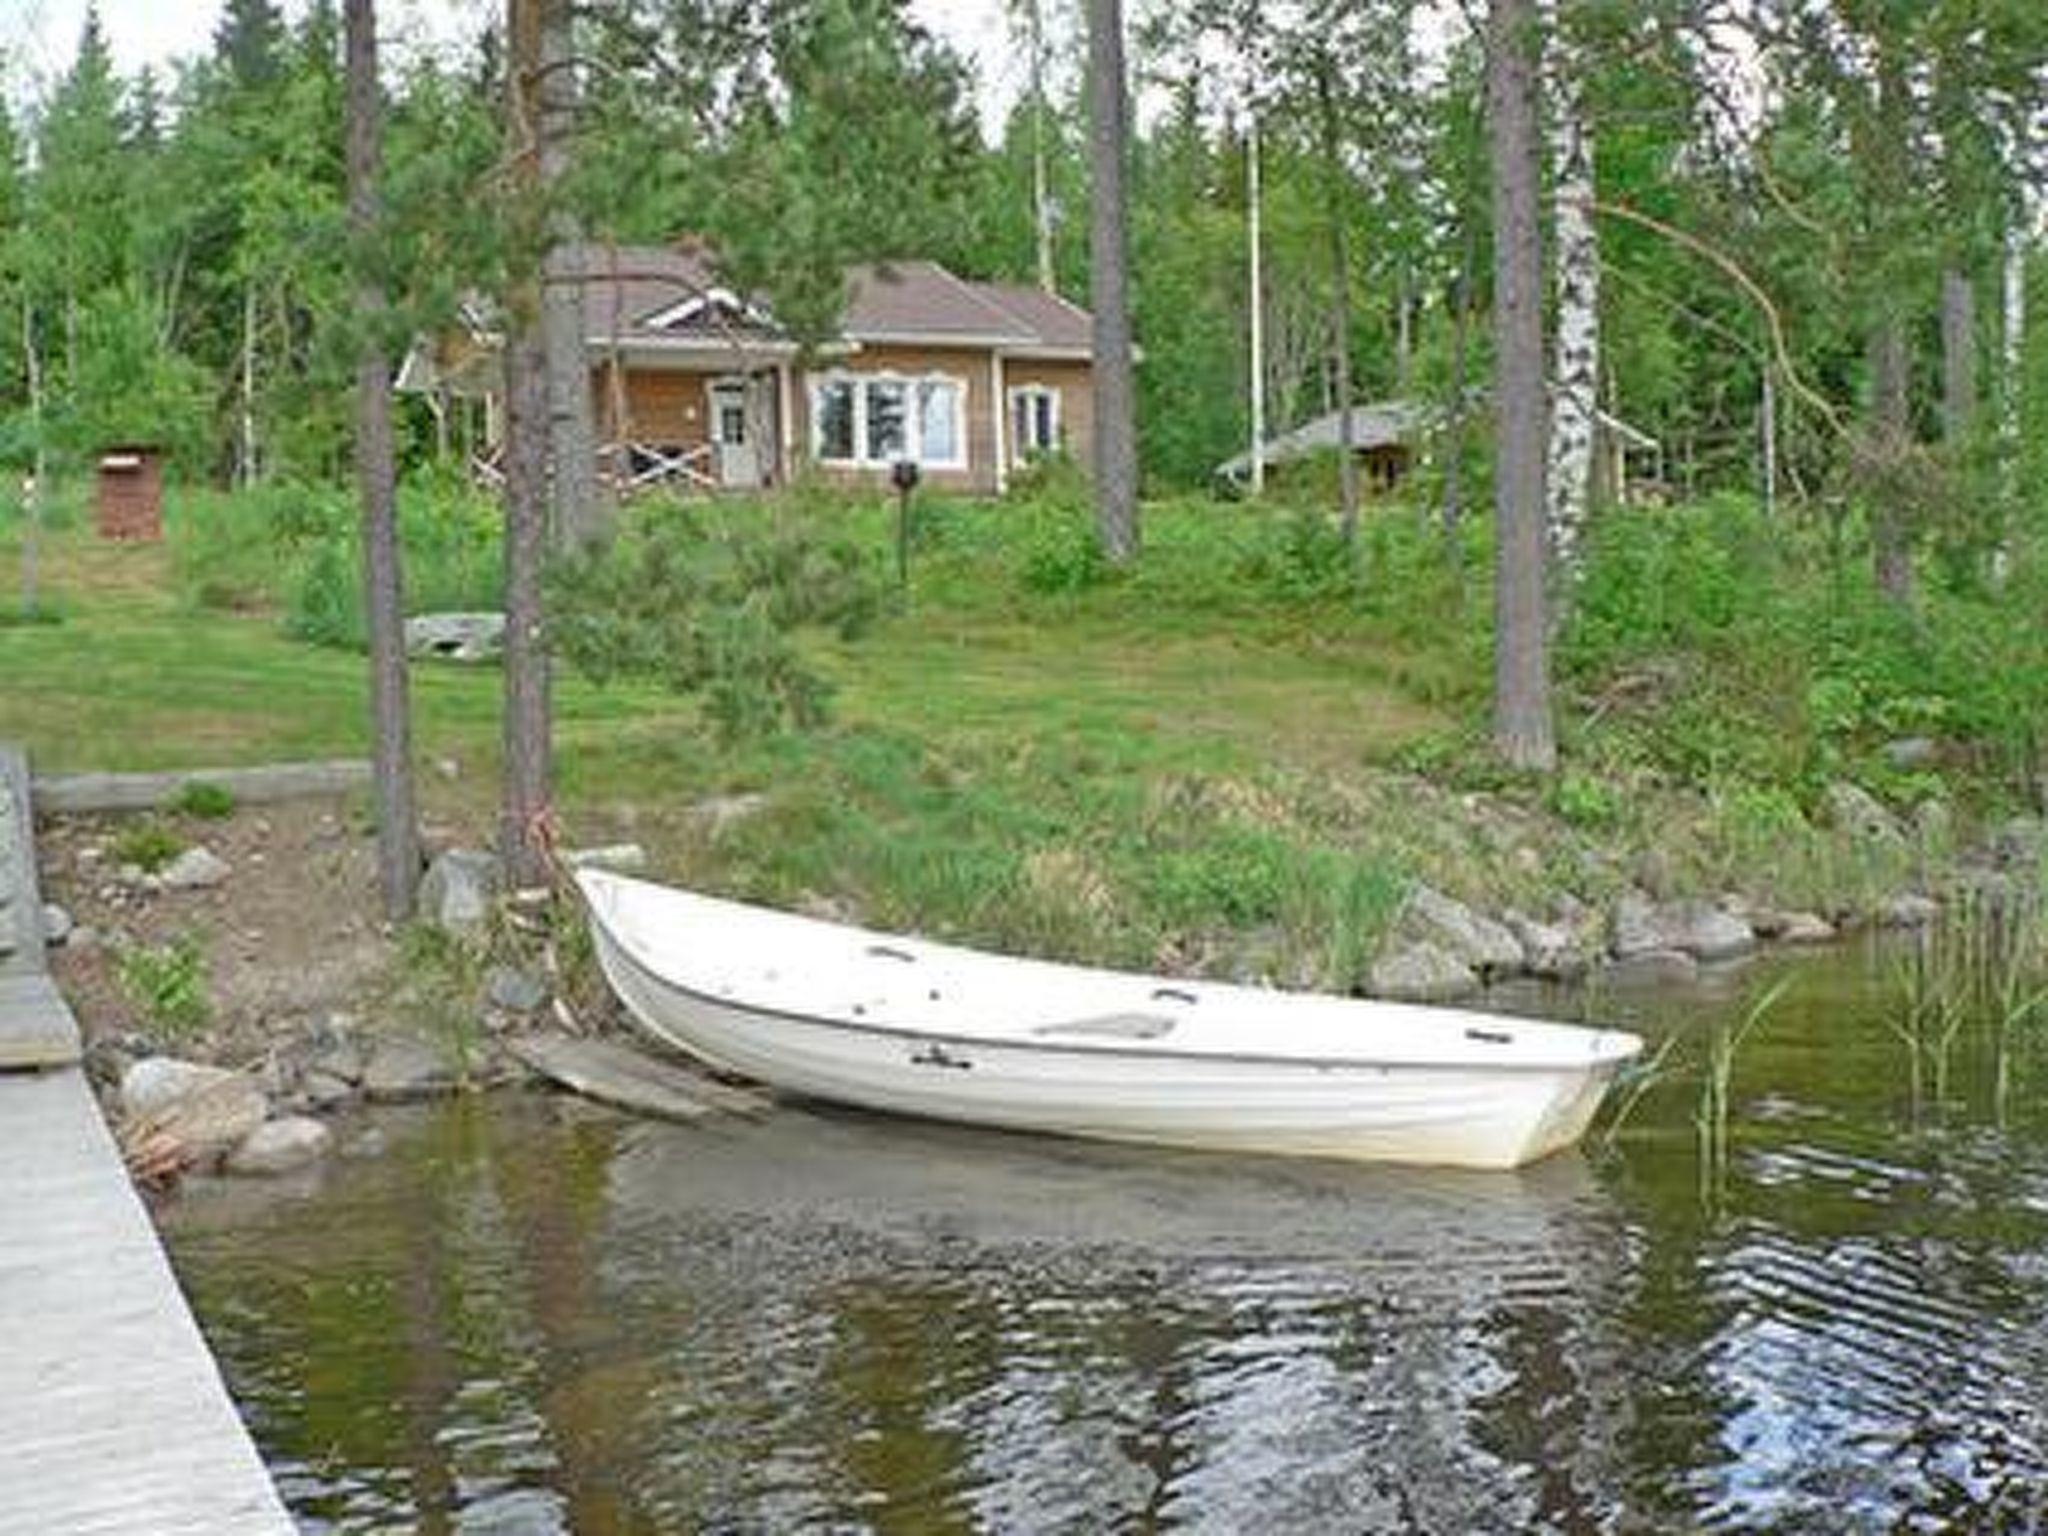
<point>531,1316</point>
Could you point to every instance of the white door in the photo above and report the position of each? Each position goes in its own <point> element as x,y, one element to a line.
<point>739,465</point>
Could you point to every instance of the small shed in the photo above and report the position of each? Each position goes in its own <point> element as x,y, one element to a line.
<point>130,500</point>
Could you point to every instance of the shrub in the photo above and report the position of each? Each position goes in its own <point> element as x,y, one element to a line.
<point>207,801</point>
<point>709,604</point>
<point>148,845</point>
<point>168,982</point>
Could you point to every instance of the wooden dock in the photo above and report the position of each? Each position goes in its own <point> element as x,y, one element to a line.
<point>113,1417</point>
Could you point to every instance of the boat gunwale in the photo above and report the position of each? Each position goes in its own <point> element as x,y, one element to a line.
<point>1594,1061</point>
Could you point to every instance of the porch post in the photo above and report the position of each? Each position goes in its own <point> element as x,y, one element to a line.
<point>998,418</point>
<point>785,424</point>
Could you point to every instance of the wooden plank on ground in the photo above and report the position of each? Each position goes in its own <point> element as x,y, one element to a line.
<point>65,793</point>
<point>617,1074</point>
<point>113,1417</point>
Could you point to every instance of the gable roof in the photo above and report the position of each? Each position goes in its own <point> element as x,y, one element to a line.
<point>1054,322</point>
<point>922,301</point>
<point>650,293</point>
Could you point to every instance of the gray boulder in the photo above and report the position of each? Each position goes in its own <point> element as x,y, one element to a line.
<point>1907,911</point>
<point>468,637</point>
<point>1910,752</point>
<point>56,923</point>
<point>401,1069</point>
<point>1654,968</point>
<point>1485,946</point>
<point>205,1109</point>
<point>1853,810</point>
<point>1548,950</point>
<point>1422,973</point>
<point>321,1089</point>
<point>196,869</point>
<point>281,1146</point>
<point>1806,928</point>
<point>2021,842</point>
<point>1696,928</point>
<point>458,888</point>
<point>514,990</point>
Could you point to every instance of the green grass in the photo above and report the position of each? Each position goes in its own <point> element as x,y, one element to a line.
<point>1230,758</point>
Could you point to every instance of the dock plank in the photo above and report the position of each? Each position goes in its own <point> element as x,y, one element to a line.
<point>113,1416</point>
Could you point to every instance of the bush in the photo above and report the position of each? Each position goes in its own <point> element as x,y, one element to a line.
<point>168,982</point>
<point>207,801</point>
<point>148,845</point>
<point>709,602</point>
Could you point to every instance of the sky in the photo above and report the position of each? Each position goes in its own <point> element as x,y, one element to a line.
<point>38,37</point>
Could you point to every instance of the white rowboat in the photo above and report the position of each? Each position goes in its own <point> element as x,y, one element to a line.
<point>900,1024</point>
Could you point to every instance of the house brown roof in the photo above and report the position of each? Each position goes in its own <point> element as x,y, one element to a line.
<point>638,292</point>
<point>896,300</point>
<point>1054,322</point>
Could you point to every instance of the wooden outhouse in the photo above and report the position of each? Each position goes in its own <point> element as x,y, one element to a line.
<point>130,500</point>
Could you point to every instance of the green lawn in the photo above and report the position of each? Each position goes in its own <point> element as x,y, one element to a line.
<point>1024,771</point>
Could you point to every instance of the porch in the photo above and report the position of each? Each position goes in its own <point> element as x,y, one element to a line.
<point>674,429</point>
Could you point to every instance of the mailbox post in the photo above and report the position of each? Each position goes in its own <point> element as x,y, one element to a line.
<point>903,474</point>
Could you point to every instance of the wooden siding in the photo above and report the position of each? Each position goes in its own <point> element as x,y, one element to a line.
<point>1076,385</point>
<point>662,406</point>
<point>968,365</point>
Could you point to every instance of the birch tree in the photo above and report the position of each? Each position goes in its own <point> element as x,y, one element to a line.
<point>398,847</point>
<point>1575,377</point>
<point>1521,669</point>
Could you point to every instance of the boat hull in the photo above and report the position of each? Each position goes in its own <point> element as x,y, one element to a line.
<point>1410,1113</point>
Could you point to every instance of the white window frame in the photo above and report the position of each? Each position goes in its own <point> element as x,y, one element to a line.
<point>1021,452</point>
<point>913,433</point>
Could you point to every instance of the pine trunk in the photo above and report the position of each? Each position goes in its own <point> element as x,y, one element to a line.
<point>527,770</point>
<point>577,499</point>
<point>1116,448</point>
<point>1576,380</point>
<point>1522,727</point>
<point>398,847</point>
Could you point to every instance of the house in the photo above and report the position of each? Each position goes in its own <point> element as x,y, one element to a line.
<point>1389,435</point>
<point>696,387</point>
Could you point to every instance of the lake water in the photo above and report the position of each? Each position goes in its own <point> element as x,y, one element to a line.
<point>529,1315</point>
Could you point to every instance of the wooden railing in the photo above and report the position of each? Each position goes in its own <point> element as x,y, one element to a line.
<point>628,467</point>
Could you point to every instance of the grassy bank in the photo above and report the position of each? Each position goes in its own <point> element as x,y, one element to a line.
<point>1230,759</point>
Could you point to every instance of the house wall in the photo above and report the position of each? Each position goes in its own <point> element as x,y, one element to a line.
<point>664,406</point>
<point>1076,384</point>
<point>969,365</point>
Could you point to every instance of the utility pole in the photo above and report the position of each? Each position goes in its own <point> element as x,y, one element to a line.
<point>1041,188</point>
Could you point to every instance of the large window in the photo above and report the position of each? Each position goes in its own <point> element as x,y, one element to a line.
<point>1034,421</point>
<point>876,419</point>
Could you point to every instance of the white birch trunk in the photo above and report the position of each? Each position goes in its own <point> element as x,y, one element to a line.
<point>1575,369</point>
<point>32,493</point>
<point>1256,239</point>
<point>2012,362</point>
<point>246,465</point>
